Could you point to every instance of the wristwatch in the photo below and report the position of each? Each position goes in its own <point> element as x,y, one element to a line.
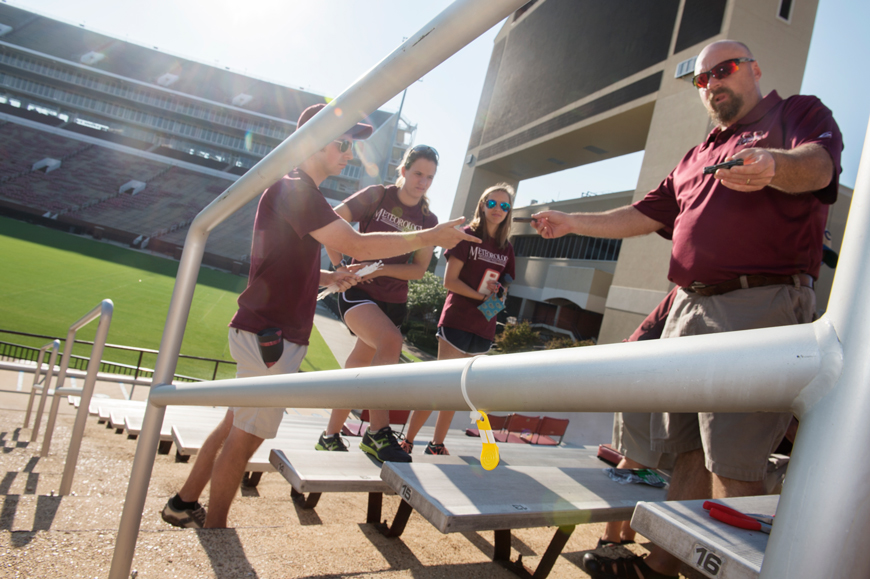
<point>342,263</point>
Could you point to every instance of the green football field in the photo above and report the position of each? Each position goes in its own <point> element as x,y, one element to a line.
<point>50,279</point>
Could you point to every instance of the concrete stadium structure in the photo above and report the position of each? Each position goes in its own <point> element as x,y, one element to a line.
<point>125,142</point>
<point>563,91</point>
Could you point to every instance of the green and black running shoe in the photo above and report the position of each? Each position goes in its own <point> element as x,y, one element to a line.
<point>384,446</point>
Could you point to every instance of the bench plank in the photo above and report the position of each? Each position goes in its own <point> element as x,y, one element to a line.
<point>687,531</point>
<point>457,498</point>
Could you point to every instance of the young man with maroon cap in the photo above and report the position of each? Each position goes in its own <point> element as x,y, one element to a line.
<point>747,249</point>
<point>293,220</point>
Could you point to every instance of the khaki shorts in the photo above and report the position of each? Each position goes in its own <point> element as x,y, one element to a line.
<point>736,445</point>
<point>261,422</point>
<point>631,437</point>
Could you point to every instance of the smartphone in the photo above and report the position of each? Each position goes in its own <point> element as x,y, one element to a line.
<point>523,219</point>
<point>727,165</point>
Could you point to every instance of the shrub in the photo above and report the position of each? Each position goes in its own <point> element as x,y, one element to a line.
<point>566,342</point>
<point>517,338</point>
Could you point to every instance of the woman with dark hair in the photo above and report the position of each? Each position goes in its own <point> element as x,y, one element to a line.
<point>474,272</point>
<point>374,311</point>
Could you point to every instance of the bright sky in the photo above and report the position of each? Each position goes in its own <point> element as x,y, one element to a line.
<point>325,45</point>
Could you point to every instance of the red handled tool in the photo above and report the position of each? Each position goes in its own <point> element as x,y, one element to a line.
<point>735,518</point>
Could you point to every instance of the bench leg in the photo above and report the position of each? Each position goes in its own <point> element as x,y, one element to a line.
<point>251,479</point>
<point>502,550</point>
<point>299,499</point>
<point>181,457</point>
<point>373,512</point>
<point>399,522</point>
<point>163,448</point>
<point>554,549</point>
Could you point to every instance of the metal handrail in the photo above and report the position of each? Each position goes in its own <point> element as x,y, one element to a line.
<point>55,346</point>
<point>104,312</point>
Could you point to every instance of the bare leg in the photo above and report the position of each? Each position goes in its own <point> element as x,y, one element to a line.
<point>724,487</point>
<point>620,531</point>
<point>202,468</point>
<point>415,423</point>
<point>229,468</point>
<point>360,357</point>
<point>376,331</point>
<point>445,417</point>
<point>691,481</point>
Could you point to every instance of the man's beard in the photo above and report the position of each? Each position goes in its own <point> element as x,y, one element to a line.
<point>726,112</point>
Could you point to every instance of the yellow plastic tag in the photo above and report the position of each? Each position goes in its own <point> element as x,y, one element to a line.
<point>489,452</point>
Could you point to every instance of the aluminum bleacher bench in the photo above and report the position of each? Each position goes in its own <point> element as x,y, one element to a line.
<point>458,498</point>
<point>687,531</point>
<point>132,421</point>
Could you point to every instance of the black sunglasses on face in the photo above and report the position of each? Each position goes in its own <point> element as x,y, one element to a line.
<point>344,145</point>
<point>505,206</point>
<point>722,70</point>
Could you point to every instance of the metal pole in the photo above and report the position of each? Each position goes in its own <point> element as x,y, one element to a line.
<point>823,519</point>
<point>771,369</point>
<point>75,443</point>
<point>459,24</point>
<point>46,385</point>
<point>64,365</point>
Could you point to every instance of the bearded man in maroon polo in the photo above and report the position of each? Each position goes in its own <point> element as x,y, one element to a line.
<point>747,247</point>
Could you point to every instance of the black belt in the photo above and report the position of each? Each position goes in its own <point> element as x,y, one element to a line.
<point>749,281</point>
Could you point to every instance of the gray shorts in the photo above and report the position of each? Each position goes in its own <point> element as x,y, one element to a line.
<point>261,422</point>
<point>631,437</point>
<point>736,445</point>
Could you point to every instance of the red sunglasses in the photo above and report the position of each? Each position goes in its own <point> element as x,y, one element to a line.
<point>722,70</point>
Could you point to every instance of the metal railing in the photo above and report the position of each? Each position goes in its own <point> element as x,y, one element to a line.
<point>104,313</point>
<point>817,371</point>
<point>10,350</point>
<point>44,388</point>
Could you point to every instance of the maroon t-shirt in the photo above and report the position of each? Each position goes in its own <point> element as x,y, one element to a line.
<point>481,262</point>
<point>285,259</point>
<point>379,210</point>
<point>720,234</point>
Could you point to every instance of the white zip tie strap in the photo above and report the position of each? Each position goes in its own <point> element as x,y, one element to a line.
<point>475,413</point>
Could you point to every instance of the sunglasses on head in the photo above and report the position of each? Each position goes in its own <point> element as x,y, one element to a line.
<point>421,150</point>
<point>344,145</point>
<point>505,206</point>
<point>722,70</point>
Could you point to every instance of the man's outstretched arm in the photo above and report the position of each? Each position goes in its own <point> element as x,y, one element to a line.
<point>614,224</point>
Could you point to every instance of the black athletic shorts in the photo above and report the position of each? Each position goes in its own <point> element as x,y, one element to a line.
<point>357,297</point>
<point>465,342</point>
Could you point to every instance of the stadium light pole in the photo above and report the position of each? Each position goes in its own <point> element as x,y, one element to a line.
<point>459,24</point>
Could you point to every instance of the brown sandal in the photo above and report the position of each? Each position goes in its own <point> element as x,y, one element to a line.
<point>623,568</point>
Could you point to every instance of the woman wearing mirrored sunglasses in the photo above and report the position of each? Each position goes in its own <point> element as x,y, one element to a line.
<point>375,308</point>
<point>474,271</point>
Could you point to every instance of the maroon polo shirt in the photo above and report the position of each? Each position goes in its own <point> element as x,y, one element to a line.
<point>720,234</point>
<point>480,263</point>
<point>654,324</point>
<point>285,259</point>
<point>379,210</point>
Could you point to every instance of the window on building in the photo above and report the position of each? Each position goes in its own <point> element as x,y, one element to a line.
<point>567,247</point>
<point>785,8</point>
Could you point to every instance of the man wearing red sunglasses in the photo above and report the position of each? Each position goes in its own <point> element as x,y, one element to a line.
<point>747,247</point>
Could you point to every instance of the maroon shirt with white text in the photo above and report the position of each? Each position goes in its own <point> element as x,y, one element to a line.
<point>481,262</point>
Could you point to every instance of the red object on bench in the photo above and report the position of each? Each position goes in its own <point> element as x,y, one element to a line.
<point>496,421</point>
<point>548,429</point>
<point>356,428</point>
<point>519,428</point>
<point>609,454</point>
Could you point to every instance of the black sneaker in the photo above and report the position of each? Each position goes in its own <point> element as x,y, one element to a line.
<point>433,448</point>
<point>333,442</point>
<point>407,446</point>
<point>383,446</point>
<point>190,518</point>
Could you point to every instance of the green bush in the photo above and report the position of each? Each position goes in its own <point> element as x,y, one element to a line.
<point>517,338</point>
<point>566,342</point>
<point>426,298</point>
<point>422,336</point>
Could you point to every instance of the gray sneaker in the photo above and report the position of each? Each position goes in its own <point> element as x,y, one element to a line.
<point>185,518</point>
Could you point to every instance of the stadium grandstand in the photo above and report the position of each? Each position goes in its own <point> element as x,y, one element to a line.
<point>104,137</point>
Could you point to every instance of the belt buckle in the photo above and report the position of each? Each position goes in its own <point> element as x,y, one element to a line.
<point>697,286</point>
